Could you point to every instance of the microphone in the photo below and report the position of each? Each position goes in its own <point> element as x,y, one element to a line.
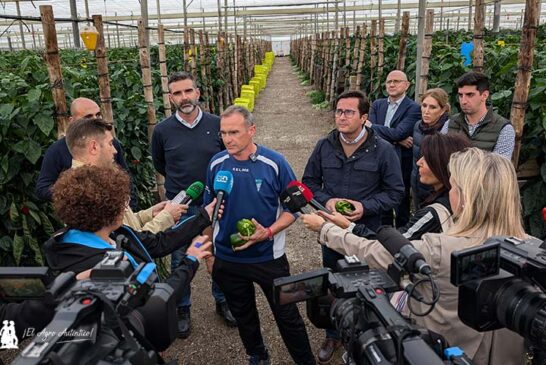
<point>223,183</point>
<point>401,248</point>
<point>308,195</point>
<point>293,199</point>
<point>193,192</point>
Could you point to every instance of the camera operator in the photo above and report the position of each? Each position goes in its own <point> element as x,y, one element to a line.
<point>485,200</point>
<point>91,201</point>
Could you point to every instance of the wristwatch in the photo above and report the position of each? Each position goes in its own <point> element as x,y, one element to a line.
<point>351,227</point>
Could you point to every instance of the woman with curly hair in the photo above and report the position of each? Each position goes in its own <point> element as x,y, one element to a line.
<point>91,201</point>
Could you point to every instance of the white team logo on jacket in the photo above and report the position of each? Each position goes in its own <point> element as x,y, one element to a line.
<point>258,184</point>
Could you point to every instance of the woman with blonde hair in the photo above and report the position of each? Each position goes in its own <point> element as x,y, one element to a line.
<point>435,110</point>
<point>485,200</point>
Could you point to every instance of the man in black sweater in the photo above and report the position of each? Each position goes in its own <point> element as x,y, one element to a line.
<point>58,158</point>
<point>182,146</point>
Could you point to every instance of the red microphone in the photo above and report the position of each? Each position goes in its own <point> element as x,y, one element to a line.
<point>308,195</point>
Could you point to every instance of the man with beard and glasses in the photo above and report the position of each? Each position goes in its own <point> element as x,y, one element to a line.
<point>182,146</point>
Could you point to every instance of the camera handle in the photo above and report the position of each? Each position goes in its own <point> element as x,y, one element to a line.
<point>412,348</point>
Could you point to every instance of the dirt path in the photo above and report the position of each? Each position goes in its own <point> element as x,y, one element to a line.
<point>286,122</point>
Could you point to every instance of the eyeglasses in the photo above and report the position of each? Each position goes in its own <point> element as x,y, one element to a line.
<point>394,82</point>
<point>348,112</point>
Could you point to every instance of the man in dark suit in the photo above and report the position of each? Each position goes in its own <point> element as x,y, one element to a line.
<point>393,119</point>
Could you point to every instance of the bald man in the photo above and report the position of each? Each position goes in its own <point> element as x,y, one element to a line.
<point>57,157</point>
<point>393,119</point>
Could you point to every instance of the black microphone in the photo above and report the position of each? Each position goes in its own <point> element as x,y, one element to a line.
<point>294,200</point>
<point>399,245</point>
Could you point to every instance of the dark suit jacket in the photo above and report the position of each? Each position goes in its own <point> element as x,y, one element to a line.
<point>405,117</point>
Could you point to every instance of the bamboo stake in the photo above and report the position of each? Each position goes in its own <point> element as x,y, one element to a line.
<point>144,54</point>
<point>193,58</point>
<point>362,52</point>
<point>204,77</point>
<point>329,65</point>
<point>381,54</point>
<point>347,48</point>
<point>479,25</point>
<point>427,49</point>
<point>334,68</point>
<point>523,77</point>
<point>373,57</point>
<point>209,73</point>
<point>53,62</point>
<point>220,64</point>
<point>400,64</point>
<point>163,70</point>
<point>102,69</point>
<point>186,49</point>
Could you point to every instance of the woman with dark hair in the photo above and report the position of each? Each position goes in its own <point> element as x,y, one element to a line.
<point>435,110</point>
<point>435,217</point>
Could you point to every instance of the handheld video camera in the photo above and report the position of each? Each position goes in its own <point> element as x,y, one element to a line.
<point>354,301</point>
<point>100,319</point>
<point>491,298</point>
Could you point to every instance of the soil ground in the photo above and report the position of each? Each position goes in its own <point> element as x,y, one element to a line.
<point>287,123</point>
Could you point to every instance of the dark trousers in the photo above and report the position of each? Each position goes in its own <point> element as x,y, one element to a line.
<point>237,282</point>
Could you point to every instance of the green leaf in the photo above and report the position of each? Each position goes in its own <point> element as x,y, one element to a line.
<point>34,95</point>
<point>136,152</point>
<point>34,152</point>
<point>45,123</point>
<point>13,213</point>
<point>33,243</point>
<point>18,246</point>
<point>34,214</point>
<point>46,224</point>
<point>6,243</point>
<point>501,95</point>
<point>5,111</point>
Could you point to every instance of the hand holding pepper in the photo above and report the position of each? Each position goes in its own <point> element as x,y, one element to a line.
<point>260,234</point>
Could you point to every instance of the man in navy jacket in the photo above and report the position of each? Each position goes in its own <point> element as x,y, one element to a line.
<point>393,119</point>
<point>352,163</point>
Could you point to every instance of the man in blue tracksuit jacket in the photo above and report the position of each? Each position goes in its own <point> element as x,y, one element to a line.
<point>259,177</point>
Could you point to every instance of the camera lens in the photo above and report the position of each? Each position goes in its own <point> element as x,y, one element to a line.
<point>521,307</point>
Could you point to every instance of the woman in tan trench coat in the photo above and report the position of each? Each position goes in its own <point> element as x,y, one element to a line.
<point>485,200</point>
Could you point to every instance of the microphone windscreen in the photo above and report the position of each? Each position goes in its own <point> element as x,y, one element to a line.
<point>195,190</point>
<point>307,193</point>
<point>391,239</point>
<point>223,181</point>
<point>293,199</point>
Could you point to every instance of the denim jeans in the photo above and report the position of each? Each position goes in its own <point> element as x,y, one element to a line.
<point>177,256</point>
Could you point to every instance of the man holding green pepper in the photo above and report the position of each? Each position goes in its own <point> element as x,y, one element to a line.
<point>253,212</point>
<point>354,171</point>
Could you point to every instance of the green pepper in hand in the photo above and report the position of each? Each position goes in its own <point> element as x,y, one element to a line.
<point>245,227</point>
<point>344,207</point>
<point>236,240</point>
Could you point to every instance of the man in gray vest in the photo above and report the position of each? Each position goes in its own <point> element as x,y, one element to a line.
<point>485,128</point>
